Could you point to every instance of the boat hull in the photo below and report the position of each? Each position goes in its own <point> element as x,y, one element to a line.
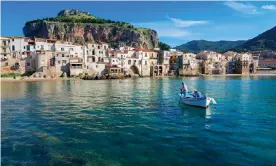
<point>204,102</point>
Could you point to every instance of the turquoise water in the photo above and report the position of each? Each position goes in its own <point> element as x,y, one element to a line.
<point>139,122</point>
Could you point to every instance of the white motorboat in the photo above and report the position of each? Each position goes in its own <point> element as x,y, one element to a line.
<point>195,99</point>
<point>202,101</point>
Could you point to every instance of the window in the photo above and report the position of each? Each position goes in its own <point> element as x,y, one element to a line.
<point>23,53</point>
<point>140,62</point>
<point>96,66</point>
<point>12,39</point>
<point>93,59</point>
<point>93,45</point>
<point>24,47</point>
<point>64,62</point>
<point>13,48</point>
<point>28,64</point>
<point>62,49</point>
<point>62,55</point>
<point>113,61</point>
<point>105,47</point>
<point>99,59</point>
<point>146,55</point>
<point>71,49</point>
<point>146,62</point>
<point>93,52</point>
<point>58,62</point>
<point>129,62</point>
<point>99,47</point>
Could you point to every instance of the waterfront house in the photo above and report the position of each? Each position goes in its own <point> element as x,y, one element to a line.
<point>243,61</point>
<point>76,66</point>
<point>18,46</point>
<point>44,65</point>
<point>97,58</point>
<point>187,64</point>
<point>5,51</point>
<point>164,60</point>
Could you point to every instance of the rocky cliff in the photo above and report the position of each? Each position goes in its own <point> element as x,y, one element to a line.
<point>81,27</point>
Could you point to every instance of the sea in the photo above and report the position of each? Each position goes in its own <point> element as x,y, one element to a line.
<point>139,122</point>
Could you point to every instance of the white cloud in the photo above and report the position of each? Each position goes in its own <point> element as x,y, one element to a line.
<point>173,27</point>
<point>165,29</point>
<point>269,7</point>
<point>174,32</point>
<point>184,23</point>
<point>242,7</point>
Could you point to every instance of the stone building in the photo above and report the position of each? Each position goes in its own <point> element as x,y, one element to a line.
<point>242,63</point>
<point>187,65</point>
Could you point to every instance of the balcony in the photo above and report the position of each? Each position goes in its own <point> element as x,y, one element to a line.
<point>76,66</point>
<point>76,60</point>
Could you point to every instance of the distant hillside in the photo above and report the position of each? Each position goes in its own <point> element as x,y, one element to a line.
<point>196,46</point>
<point>264,41</point>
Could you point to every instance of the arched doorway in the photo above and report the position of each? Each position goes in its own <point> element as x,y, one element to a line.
<point>134,70</point>
<point>251,68</point>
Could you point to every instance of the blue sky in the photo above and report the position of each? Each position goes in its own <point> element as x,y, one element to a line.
<point>175,22</point>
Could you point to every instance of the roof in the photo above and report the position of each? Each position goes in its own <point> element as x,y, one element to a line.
<point>2,37</point>
<point>44,51</point>
<point>132,58</point>
<point>19,37</point>
<point>267,61</point>
<point>102,62</point>
<point>140,49</point>
<point>72,58</point>
<point>112,66</point>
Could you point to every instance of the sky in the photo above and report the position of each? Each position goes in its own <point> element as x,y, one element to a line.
<point>175,22</point>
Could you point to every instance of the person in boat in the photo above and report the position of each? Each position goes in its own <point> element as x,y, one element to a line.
<point>196,95</point>
<point>184,89</point>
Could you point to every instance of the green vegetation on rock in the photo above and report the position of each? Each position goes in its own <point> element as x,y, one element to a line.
<point>80,17</point>
<point>164,46</point>
<point>11,75</point>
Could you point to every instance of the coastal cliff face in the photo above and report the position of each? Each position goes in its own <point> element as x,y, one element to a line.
<point>81,32</point>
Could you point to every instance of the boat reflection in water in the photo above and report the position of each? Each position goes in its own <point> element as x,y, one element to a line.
<point>197,111</point>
